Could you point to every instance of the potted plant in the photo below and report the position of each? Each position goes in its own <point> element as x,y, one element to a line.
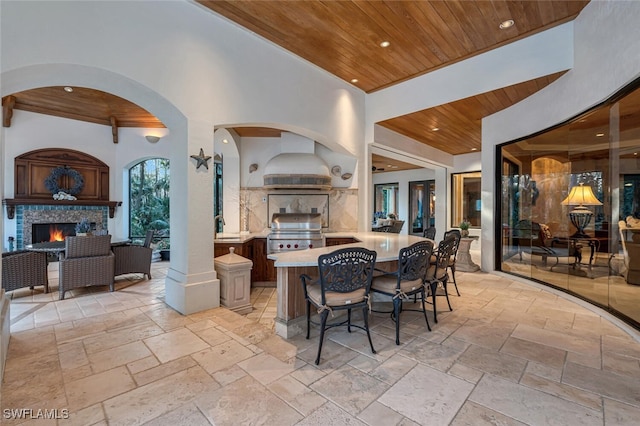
<point>83,227</point>
<point>464,228</point>
<point>161,238</point>
<point>163,247</point>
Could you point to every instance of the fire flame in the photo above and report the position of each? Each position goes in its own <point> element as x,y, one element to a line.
<point>55,234</point>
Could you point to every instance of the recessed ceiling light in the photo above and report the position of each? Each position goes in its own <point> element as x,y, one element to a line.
<point>506,24</point>
<point>474,149</point>
<point>435,129</point>
<point>389,165</point>
<point>354,80</point>
<point>385,44</point>
<point>628,184</point>
<point>225,141</point>
<point>635,153</point>
<point>68,89</point>
<point>599,135</point>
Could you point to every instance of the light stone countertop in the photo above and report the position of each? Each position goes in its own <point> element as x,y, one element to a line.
<point>385,244</point>
<point>236,238</point>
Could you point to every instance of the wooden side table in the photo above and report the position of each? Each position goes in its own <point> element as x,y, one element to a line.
<point>464,262</point>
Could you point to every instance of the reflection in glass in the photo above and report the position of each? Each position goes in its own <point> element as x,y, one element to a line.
<point>385,200</point>
<point>466,198</point>
<point>597,150</point>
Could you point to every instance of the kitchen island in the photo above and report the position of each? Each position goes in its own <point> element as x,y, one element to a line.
<point>254,246</point>
<point>290,319</point>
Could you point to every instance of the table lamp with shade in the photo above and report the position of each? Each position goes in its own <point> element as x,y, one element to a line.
<point>580,216</point>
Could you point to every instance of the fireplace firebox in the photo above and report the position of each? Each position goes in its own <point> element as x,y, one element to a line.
<point>43,232</point>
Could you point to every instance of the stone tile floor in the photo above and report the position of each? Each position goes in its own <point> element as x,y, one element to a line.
<point>509,353</point>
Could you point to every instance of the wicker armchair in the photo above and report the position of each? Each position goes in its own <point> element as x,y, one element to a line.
<point>87,261</point>
<point>24,269</point>
<point>131,258</point>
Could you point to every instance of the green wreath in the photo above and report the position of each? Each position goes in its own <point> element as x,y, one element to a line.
<point>51,182</point>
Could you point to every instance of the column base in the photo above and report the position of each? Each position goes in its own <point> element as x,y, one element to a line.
<point>202,293</point>
<point>288,329</point>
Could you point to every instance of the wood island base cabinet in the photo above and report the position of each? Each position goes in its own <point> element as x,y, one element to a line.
<point>263,273</point>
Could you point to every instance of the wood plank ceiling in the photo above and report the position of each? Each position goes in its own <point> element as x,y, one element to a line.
<point>343,37</point>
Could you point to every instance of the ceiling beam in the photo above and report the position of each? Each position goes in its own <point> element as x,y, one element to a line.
<point>8,102</point>
<point>114,128</point>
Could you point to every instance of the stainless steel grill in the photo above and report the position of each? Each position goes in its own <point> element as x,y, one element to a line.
<point>295,231</point>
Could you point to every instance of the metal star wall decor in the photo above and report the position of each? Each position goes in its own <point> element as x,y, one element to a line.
<point>203,160</point>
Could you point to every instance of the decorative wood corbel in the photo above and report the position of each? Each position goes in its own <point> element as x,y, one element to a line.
<point>8,102</point>
<point>114,128</point>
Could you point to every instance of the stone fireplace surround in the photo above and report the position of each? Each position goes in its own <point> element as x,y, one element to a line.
<point>27,215</point>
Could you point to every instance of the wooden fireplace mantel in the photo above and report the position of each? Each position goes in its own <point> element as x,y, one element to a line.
<point>11,204</point>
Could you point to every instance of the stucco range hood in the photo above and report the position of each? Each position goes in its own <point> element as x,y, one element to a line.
<point>296,170</point>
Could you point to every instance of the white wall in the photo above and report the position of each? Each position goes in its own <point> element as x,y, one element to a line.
<point>607,42</point>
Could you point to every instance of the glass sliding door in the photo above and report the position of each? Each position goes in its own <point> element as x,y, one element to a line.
<point>422,198</point>
<point>570,206</point>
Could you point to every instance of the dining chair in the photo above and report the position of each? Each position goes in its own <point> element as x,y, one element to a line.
<point>396,226</point>
<point>452,261</point>
<point>344,283</point>
<point>437,275</point>
<point>407,280</point>
<point>430,233</point>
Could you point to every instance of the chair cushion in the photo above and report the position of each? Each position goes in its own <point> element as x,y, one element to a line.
<point>433,274</point>
<point>334,298</point>
<point>388,284</point>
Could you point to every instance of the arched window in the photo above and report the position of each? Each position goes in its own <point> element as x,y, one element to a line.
<point>149,200</point>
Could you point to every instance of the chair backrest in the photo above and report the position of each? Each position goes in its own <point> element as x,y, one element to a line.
<point>87,246</point>
<point>430,233</point>
<point>413,261</point>
<point>148,238</point>
<point>383,228</point>
<point>456,235</point>
<point>445,251</point>
<point>346,270</point>
<point>396,226</point>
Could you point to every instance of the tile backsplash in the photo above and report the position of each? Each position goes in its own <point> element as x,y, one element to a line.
<point>338,207</point>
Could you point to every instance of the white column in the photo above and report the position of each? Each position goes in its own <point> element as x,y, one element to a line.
<point>191,284</point>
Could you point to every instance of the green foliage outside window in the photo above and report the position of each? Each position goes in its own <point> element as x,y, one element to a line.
<point>149,200</point>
